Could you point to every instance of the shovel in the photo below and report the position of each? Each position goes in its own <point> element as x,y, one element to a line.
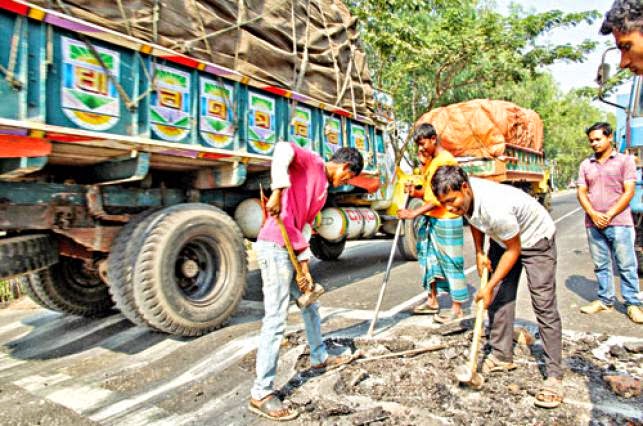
<point>467,374</point>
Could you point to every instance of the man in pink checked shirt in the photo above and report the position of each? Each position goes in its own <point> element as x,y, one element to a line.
<point>606,183</point>
<point>300,180</point>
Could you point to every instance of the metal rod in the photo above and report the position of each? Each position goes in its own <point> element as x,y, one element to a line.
<point>388,270</point>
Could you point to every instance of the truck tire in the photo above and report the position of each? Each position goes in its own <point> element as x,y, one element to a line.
<point>326,250</point>
<point>69,288</point>
<point>28,286</point>
<point>545,200</point>
<point>407,243</point>
<point>638,241</point>
<point>26,253</point>
<point>191,270</point>
<point>120,266</point>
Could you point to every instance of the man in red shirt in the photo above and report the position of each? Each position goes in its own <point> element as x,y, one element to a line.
<point>299,183</point>
<point>606,182</point>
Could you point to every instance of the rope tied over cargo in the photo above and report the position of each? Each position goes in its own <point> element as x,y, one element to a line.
<point>237,26</point>
<point>9,71</point>
<point>263,40</point>
<point>92,49</point>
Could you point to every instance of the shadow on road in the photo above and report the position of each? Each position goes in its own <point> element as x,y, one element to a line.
<point>346,270</point>
<point>55,335</point>
<point>587,290</point>
<point>583,287</point>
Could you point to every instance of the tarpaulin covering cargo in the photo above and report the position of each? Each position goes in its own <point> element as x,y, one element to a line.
<point>310,47</point>
<point>482,127</point>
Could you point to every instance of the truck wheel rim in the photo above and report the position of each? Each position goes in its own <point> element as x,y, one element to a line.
<point>76,273</point>
<point>196,270</point>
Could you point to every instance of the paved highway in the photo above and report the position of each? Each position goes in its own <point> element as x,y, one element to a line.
<point>58,370</point>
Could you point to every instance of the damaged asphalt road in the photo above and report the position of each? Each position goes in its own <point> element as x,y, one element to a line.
<point>422,389</point>
<point>66,370</point>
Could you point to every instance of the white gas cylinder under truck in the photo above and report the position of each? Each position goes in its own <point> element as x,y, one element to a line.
<point>134,139</point>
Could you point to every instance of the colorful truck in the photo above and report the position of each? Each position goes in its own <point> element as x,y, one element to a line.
<point>130,171</point>
<point>491,139</point>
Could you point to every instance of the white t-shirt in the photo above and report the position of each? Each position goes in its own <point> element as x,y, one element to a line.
<point>502,211</point>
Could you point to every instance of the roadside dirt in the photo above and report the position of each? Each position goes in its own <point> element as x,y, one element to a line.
<point>423,390</point>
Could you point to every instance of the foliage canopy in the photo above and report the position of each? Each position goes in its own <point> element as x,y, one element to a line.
<point>431,53</point>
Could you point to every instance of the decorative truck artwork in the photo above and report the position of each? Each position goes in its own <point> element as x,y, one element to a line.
<point>119,143</point>
<point>301,128</point>
<point>170,104</point>
<point>333,139</point>
<point>262,125</point>
<point>216,114</point>
<point>89,98</point>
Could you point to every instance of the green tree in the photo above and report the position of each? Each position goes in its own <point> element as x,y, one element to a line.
<point>565,117</point>
<point>429,53</point>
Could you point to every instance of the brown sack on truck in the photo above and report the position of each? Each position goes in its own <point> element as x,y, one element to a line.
<point>271,41</point>
<point>482,127</point>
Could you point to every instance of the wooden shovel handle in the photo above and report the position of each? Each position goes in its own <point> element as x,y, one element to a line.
<point>291,251</point>
<point>477,329</point>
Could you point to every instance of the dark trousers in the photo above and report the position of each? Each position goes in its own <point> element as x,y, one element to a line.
<point>540,264</point>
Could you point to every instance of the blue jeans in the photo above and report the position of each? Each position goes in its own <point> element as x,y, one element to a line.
<point>277,275</point>
<point>617,241</point>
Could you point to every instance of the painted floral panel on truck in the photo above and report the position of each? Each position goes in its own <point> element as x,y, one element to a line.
<point>216,116</point>
<point>89,97</point>
<point>170,104</point>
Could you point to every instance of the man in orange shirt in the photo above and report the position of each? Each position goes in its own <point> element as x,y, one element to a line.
<point>440,233</point>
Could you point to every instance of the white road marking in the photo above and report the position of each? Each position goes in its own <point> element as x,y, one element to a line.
<point>36,383</point>
<point>7,362</point>
<point>81,398</point>
<point>614,408</point>
<point>223,358</point>
<point>33,351</point>
<point>565,216</point>
<point>149,416</point>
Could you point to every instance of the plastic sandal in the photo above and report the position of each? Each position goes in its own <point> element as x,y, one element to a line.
<point>492,364</point>
<point>448,317</point>
<point>272,408</point>
<point>550,394</point>
<point>426,309</point>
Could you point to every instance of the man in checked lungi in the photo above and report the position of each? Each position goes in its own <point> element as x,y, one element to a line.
<point>440,234</point>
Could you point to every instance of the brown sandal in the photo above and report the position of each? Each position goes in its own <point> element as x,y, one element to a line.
<point>272,408</point>
<point>550,394</point>
<point>333,361</point>
<point>426,309</point>
<point>492,364</point>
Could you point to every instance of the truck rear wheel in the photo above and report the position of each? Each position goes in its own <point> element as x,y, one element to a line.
<point>121,263</point>
<point>191,269</point>
<point>546,200</point>
<point>407,243</point>
<point>638,241</point>
<point>26,253</point>
<point>70,287</point>
<point>28,284</point>
<point>326,250</point>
